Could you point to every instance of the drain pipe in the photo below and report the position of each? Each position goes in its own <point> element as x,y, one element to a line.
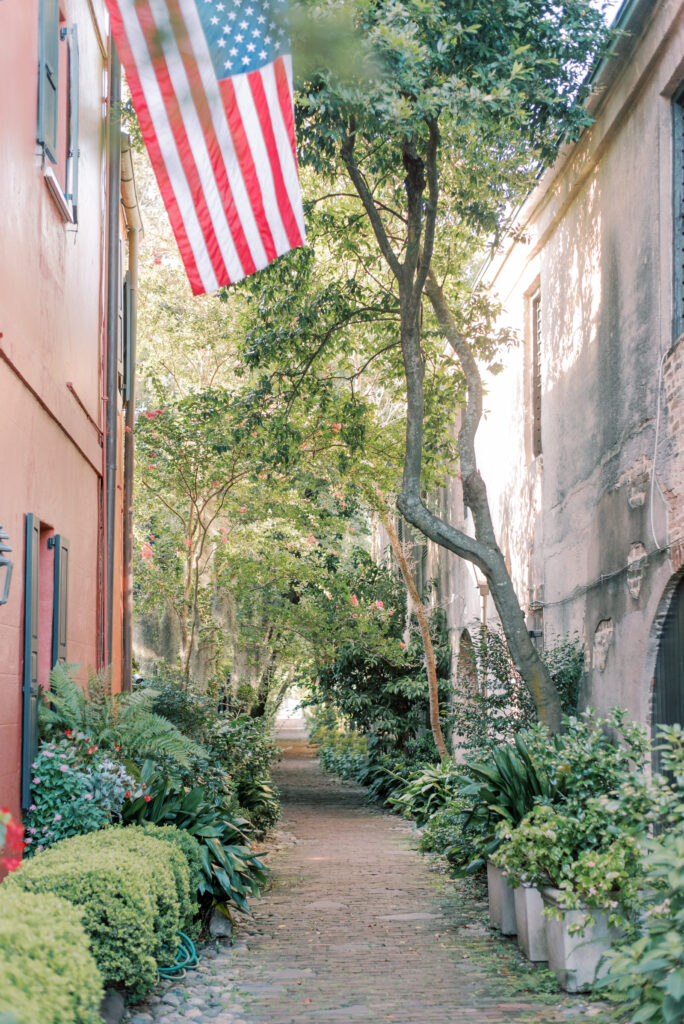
<point>113,304</point>
<point>134,226</point>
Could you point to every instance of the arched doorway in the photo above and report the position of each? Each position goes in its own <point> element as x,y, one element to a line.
<point>668,688</point>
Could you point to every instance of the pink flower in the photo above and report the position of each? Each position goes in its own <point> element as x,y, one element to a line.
<point>146,551</point>
<point>87,796</point>
<point>128,429</point>
<point>57,817</point>
<point>355,600</point>
<point>337,427</point>
<point>35,781</point>
<point>64,767</point>
<point>150,415</point>
<point>402,644</point>
<point>379,604</point>
<point>311,539</point>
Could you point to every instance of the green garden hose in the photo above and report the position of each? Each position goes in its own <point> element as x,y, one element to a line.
<point>187,959</point>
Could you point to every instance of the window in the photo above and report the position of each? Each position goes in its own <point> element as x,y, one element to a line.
<point>57,127</point>
<point>678,212</point>
<point>535,325</point>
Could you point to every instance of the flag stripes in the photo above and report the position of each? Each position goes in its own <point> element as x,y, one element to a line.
<point>223,148</point>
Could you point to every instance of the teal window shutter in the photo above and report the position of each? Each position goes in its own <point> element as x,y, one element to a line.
<point>48,78</point>
<point>30,692</point>
<point>72,142</point>
<point>60,600</point>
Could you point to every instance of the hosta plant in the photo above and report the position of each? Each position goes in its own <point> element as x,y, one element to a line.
<point>427,791</point>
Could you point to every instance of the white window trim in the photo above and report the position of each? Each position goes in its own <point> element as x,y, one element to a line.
<point>64,205</point>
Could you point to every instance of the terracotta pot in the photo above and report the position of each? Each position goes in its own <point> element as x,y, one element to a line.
<point>575,958</point>
<point>501,901</point>
<point>529,919</point>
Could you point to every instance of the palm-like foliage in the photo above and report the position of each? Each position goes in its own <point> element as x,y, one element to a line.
<point>112,720</point>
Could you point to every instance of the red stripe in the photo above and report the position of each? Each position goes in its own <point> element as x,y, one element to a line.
<point>260,102</point>
<point>249,174</point>
<point>199,96</point>
<point>175,116</point>
<point>150,139</point>
<point>285,102</point>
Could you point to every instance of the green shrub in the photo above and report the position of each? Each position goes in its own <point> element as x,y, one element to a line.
<point>47,972</point>
<point>230,870</point>
<point>426,792</point>
<point>260,799</point>
<point>134,892</point>
<point>75,789</point>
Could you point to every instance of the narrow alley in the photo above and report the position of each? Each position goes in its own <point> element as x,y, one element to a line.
<point>355,926</point>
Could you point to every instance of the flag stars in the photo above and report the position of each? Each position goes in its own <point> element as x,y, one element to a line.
<point>267,40</point>
<point>214,21</point>
<point>245,60</point>
<point>221,43</point>
<point>255,33</point>
<point>244,24</point>
<point>220,7</point>
<point>261,19</point>
<point>262,55</point>
<point>239,37</point>
<point>228,65</point>
<point>233,51</point>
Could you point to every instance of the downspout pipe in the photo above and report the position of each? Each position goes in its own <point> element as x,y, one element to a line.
<point>112,334</point>
<point>134,226</point>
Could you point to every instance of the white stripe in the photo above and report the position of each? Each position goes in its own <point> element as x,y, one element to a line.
<point>167,145</point>
<point>255,140</point>
<point>243,206</point>
<point>198,148</point>
<point>282,138</point>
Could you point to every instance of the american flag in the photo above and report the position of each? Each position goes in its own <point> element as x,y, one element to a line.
<point>211,83</point>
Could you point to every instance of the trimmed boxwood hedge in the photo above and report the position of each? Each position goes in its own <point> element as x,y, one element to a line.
<point>135,891</point>
<point>47,972</point>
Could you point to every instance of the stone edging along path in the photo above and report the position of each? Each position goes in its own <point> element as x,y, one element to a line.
<point>357,926</point>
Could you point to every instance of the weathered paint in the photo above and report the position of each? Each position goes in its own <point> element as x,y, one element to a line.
<point>598,244</point>
<point>52,278</point>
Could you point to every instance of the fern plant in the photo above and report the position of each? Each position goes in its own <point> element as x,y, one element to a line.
<point>114,721</point>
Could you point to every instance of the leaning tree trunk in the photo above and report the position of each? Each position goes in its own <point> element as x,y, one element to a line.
<point>415,277</point>
<point>421,615</point>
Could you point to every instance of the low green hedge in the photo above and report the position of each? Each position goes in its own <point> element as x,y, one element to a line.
<point>47,972</point>
<point>135,892</point>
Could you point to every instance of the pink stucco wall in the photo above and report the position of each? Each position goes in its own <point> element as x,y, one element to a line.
<point>51,346</point>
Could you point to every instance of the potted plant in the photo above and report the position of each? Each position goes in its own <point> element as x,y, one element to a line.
<point>502,792</point>
<point>586,867</point>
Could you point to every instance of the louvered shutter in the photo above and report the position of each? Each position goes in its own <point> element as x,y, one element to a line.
<point>60,600</point>
<point>72,150</point>
<point>30,691</point>
<point>48,78</point>
<point>536,377</point>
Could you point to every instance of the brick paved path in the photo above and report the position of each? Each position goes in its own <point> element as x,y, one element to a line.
<point>356,926</point>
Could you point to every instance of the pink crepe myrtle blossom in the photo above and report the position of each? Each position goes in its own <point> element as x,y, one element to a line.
<point>355,600</point>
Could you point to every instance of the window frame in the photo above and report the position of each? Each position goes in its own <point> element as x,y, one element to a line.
<point>57,112</point>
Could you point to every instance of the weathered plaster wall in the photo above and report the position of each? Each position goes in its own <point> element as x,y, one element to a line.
<point>585,520</point>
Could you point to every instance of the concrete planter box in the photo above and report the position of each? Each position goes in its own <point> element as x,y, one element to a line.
<point>530,922</point>
<point>575,958</point>
<point>501,901</point>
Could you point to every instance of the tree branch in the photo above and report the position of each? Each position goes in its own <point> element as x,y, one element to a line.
<point>347,154</point>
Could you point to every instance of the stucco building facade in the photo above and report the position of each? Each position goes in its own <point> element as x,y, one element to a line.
<point>582,446</point>
<point>57,322</point>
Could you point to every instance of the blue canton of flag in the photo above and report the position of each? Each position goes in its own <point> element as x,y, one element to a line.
<point>244,36</point>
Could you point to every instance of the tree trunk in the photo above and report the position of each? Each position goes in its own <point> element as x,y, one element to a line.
<point>430,663</point>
